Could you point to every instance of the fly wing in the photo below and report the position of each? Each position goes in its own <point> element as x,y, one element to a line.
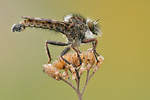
<point>38,19</point>
<point>43,19</point>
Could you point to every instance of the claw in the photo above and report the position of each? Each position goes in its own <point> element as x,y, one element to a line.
<point>49,62</point>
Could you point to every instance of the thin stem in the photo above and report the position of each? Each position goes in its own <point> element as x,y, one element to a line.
<point>79,95</point>
<point>87,79</point>
<point>78,89</point>
<point>69,84</point>
<point>91,75</point>
<point>69,77</point>
<point>69,80</point>
<point>78,83</point>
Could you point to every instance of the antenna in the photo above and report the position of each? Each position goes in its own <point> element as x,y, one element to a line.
<point>95,22</point>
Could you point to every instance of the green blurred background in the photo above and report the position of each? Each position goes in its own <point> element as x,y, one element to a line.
<point>124,75</point>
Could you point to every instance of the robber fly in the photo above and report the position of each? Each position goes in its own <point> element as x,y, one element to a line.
<point>75,27</point>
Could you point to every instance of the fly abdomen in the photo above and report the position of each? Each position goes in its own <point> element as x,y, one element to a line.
<point>50,24</point>
<point>36,24</point>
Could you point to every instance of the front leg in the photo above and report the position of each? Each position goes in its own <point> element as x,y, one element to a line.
<point>53,43</point>
<point>94,43</point>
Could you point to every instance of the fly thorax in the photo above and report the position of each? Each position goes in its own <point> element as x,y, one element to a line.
<point>75,43</point>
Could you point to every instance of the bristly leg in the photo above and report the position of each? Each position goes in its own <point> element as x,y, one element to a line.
<point>94,43</point>
<point>78,51</point>
<point>95,48</point>
<point>63,53</point>
<point>53,43</point>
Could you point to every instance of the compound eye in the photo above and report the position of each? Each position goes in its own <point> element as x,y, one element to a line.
<point>91,26</point>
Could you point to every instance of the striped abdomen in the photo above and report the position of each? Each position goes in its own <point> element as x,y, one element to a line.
<point>59,26</point>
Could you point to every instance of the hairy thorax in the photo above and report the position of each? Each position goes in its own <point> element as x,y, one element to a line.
<point>76,34</point>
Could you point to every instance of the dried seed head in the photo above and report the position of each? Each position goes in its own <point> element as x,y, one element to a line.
<point>89,66</point>
<point>82,69</point>
<point>74,59</point>
<point>52,71</point>
<point>72,69</point>
<point>71,57</point>
<point>59,64</point>
<point>65,74</point>
<point>88,61</point>
<point>101,59</point>
<point>68,56</point>
<point>74,76</point>
<point>89,58</point>
<point>82,56</point>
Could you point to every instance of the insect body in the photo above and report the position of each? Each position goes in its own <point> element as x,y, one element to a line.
<point>75,27</point>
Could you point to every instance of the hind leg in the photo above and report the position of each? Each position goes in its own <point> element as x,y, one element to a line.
<point>53,43</point>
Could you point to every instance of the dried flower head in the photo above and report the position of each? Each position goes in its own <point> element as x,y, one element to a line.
<point>52,71</point>
<point>82,69</point>
<point>101,59</point>
<point>88,61</point>
<point>89,58</point>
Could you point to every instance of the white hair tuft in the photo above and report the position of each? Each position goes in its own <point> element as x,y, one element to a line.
<point>66,18</point>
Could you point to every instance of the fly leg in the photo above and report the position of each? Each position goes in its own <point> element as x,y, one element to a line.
<point>53,43</point>
<point>94,43</point>
<point>63,53</point>
<point>77,51</point>
<point>95,48</point>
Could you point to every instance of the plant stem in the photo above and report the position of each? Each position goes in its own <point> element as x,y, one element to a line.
<point>78,89</point>
<point>91,75</point>
<point>69,83</point>
<point>80,94</point>
<point>87,78</point>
